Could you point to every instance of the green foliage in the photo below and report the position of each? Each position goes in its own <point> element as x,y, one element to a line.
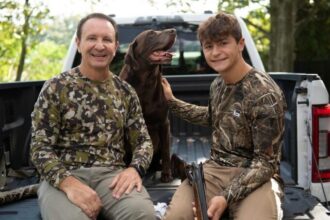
<point>8,51</point>
<point>45,61</point>
<point>258,23</point>
<point>46,51</point>
<point>231,5</point>
<point>183,6</point>
<point>9,40</point>
<point>62,30</point>
<point>20,23</point>
<point>47,44</point>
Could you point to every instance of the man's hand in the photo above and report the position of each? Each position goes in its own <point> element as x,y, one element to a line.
<point>125,182</point>
<point>82,196</point>
<point>217,206</point>
<point>167,90</point>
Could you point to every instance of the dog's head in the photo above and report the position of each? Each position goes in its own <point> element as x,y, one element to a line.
<point>151,47</point>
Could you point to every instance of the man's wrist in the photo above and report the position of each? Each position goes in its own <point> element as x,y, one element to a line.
<point>139,169</point>
<point>66,182</point>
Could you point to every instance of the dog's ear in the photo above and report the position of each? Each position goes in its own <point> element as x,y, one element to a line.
<point>130,56</point>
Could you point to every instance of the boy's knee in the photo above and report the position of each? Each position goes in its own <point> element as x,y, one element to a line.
<point>179,211</point>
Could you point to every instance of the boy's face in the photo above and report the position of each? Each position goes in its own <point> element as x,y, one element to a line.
<point>224,54</point>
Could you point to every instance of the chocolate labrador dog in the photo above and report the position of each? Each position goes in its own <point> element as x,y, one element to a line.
<point>142,69</point>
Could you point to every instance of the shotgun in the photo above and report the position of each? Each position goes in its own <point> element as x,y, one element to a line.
<point>196,178</point>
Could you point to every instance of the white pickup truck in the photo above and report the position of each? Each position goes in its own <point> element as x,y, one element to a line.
<point>305,165</point>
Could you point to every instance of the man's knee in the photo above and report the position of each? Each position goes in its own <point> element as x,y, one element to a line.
<point>136,205</point>
<point>140,209</point>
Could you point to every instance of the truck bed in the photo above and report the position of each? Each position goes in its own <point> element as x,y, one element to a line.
<point>190,142</point>
<point>298,204</point>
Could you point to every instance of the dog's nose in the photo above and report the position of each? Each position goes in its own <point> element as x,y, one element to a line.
<point>172,30</point>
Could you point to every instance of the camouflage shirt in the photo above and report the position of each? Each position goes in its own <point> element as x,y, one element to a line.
<point>247,120</point>
<point>78,122</point>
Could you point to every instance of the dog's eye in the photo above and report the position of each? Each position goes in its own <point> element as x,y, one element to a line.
<point>152,33</point>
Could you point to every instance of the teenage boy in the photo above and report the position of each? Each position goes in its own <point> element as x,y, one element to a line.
<point>246,113</point>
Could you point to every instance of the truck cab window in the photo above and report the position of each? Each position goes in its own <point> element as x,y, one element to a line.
<point>188,57</point>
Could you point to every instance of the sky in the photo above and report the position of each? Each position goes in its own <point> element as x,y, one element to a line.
<point>122,8</point>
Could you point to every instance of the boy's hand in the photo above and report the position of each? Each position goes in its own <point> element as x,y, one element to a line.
<point>217,206</point>
<point>167,90</point>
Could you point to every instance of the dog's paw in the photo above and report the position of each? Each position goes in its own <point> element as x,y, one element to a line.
<point>166,177</point>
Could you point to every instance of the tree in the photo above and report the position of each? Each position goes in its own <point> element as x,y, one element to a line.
<point>283,27</point>
<point>312,38</point>
<point>231,5</point>
<point>182,6</point>
<point>62,30</point>
<point>258,23</point>
<point>9,43</point>
<point>282,15</point>
<point>24,23</point>
<point>280,33</point>
<point>51,50</point>
<point>313,30</point>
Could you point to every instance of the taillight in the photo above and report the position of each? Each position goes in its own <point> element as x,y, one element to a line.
<point>321,143</point>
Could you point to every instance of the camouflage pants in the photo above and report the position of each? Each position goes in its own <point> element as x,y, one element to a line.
<point>263,203</point>
<point>55,205</point>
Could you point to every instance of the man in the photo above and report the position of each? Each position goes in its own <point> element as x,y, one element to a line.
<point>80,123</point>
<point>246,112</point>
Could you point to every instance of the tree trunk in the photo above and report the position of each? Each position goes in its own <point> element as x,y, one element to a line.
<point>282,42</point>
<point>25,34</point>
<point>21,63</point>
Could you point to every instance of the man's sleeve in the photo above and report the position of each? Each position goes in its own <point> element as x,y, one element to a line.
<point>137,134</point>
<point>45,130</point>
<point>267,134</point>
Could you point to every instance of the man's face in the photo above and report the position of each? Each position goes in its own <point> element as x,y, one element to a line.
<point>97,44</point>
<point>224,54</point>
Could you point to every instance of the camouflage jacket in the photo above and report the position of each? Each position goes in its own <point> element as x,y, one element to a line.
<point>247,120</point>
<point>78,122</point>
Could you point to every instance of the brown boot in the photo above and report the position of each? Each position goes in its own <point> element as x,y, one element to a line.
<point>178,167</point>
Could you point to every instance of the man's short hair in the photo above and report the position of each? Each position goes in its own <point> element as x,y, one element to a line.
<point>96,15</point>
<point>218,27</point>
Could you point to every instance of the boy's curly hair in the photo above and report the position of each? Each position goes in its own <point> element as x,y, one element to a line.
<point>218,27</point>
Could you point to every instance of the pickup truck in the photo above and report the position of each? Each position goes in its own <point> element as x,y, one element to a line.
<point>305,164</point>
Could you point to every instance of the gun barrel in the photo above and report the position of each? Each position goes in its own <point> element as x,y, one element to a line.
<point>196,177</point>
